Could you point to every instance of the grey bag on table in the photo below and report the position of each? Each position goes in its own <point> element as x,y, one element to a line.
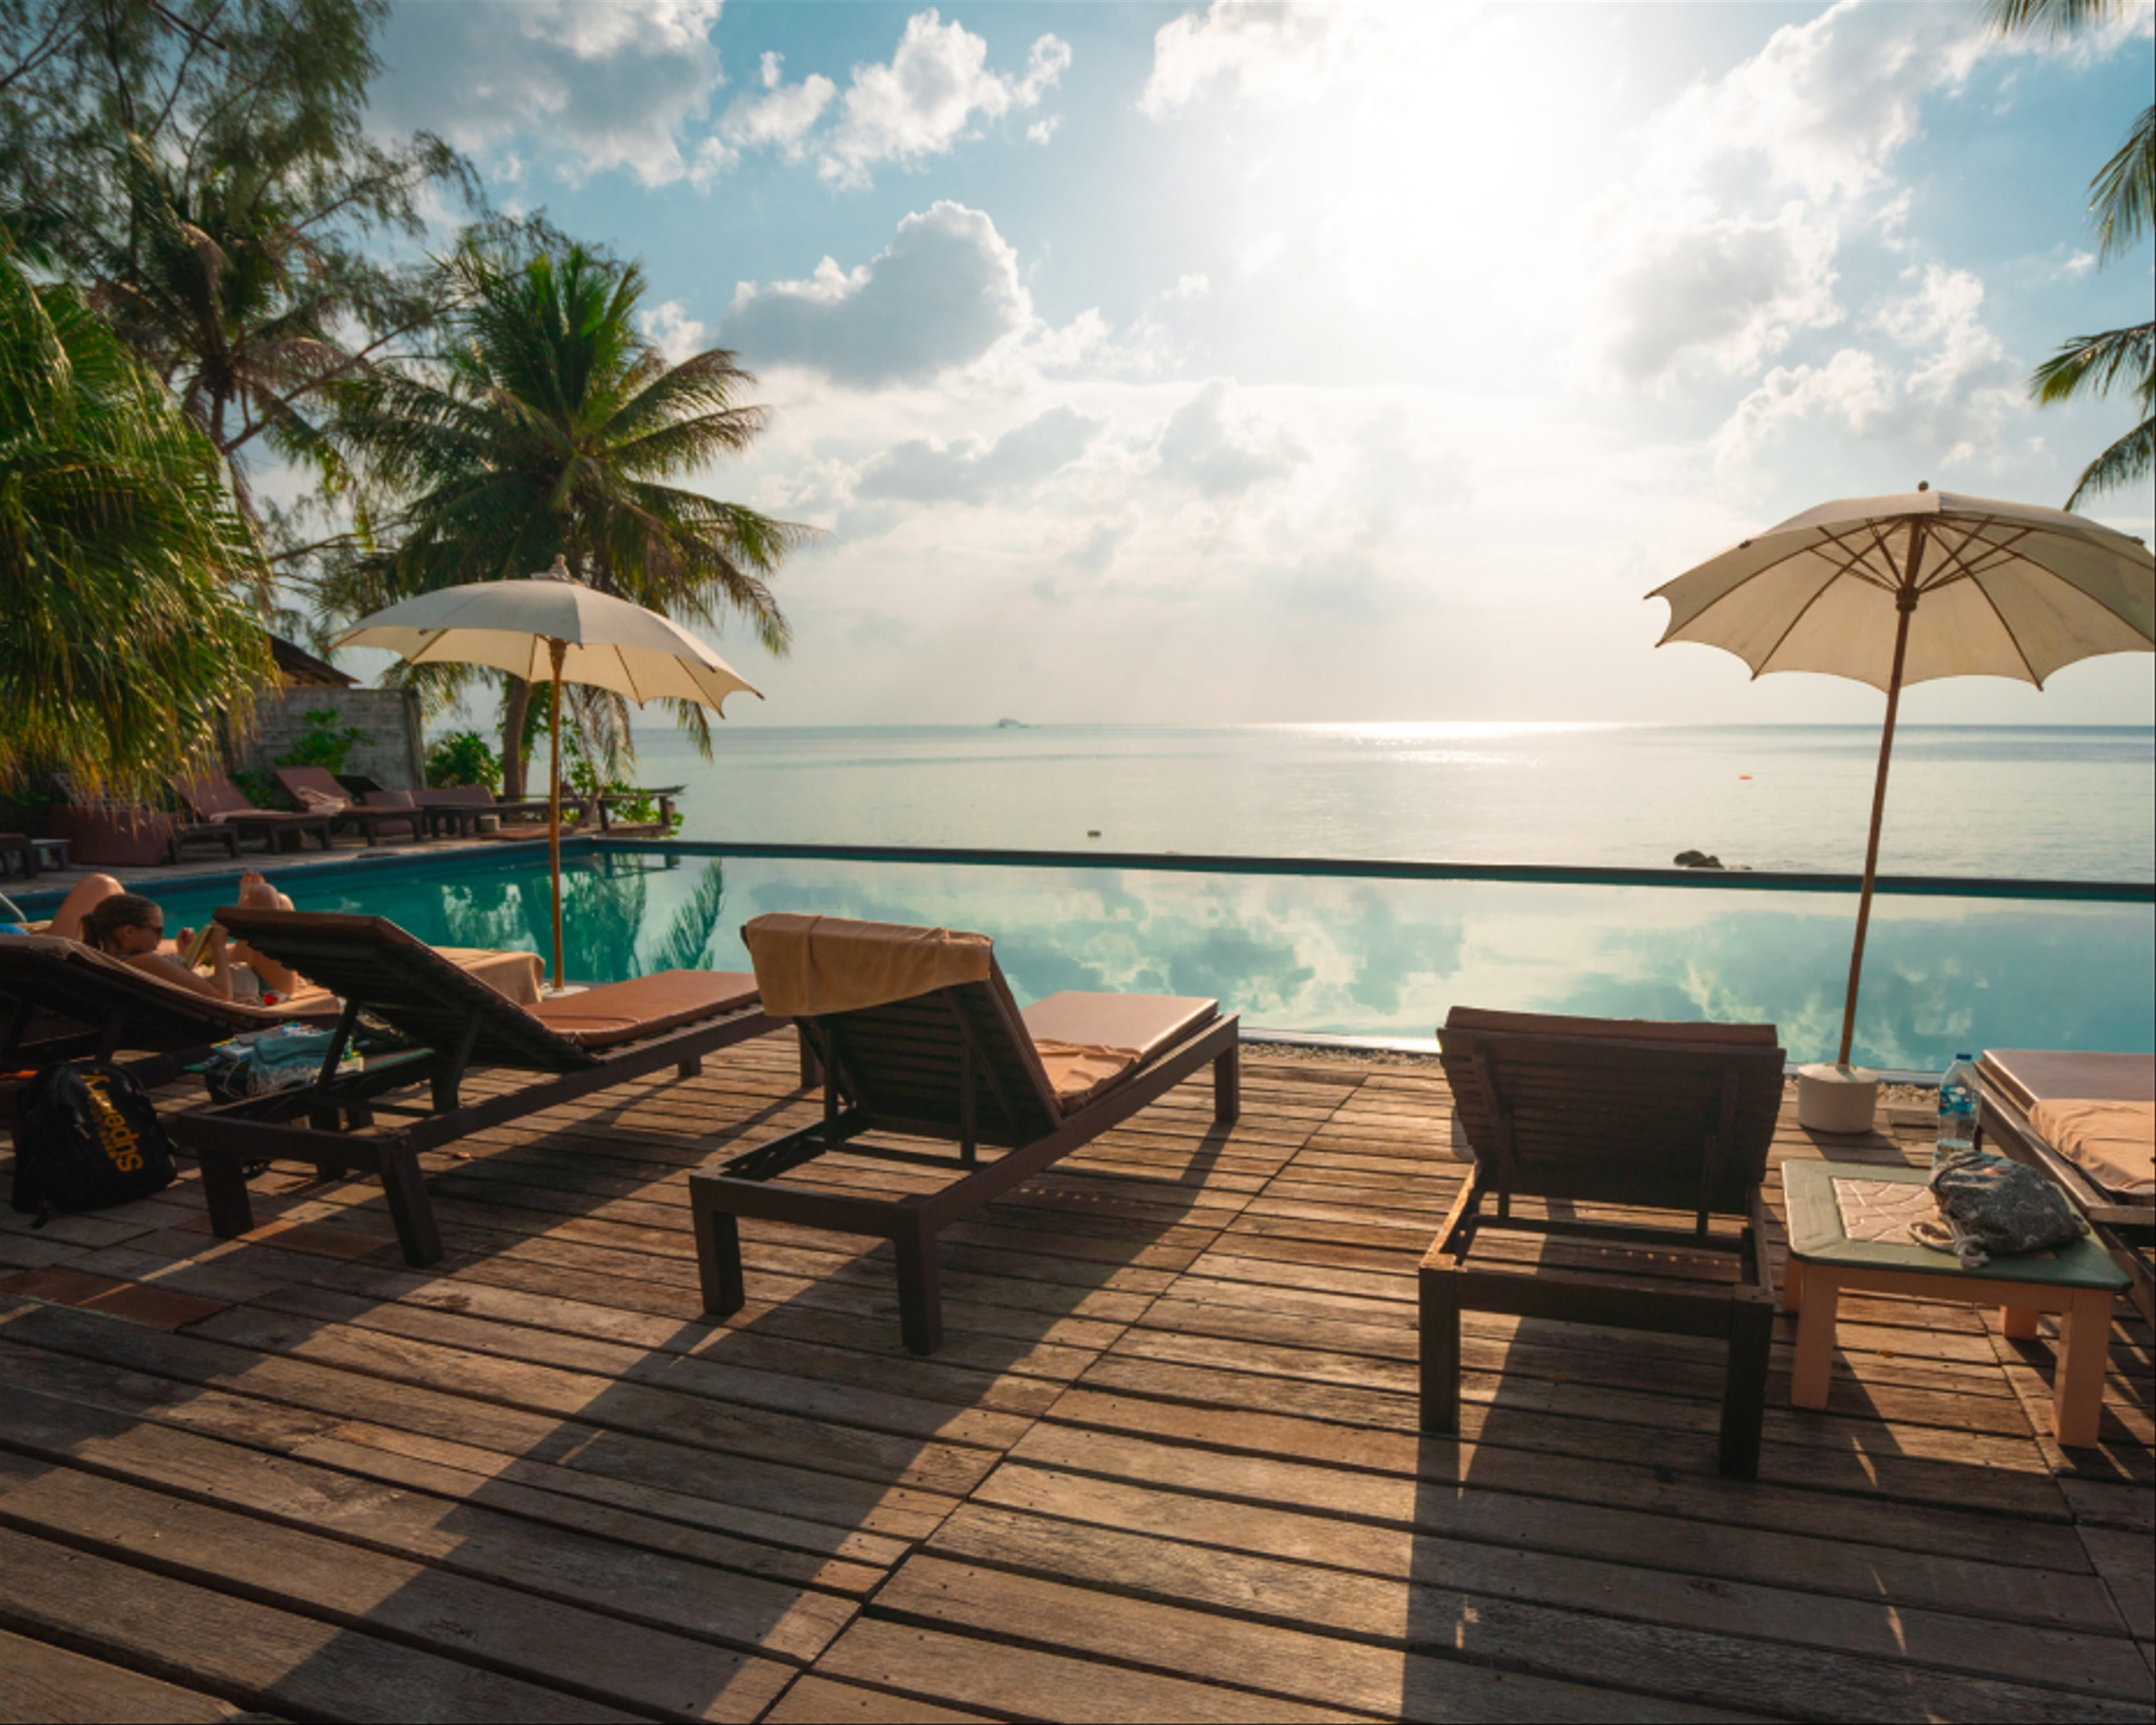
<point>1991,1208</point>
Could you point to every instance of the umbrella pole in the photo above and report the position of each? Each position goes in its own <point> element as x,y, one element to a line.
<point>560,649</point>
<point>1905,608</point>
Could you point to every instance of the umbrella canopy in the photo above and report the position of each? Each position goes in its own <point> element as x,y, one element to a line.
<point>552,629</point>
<point>511,626</point>
<point>1996,590</point>
<point>1891,591</point>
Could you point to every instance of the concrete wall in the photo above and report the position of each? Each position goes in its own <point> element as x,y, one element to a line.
<point>394,753</point>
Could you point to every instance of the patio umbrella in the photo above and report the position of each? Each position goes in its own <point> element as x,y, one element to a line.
<point>1891,591</point>
<point>552,629</point>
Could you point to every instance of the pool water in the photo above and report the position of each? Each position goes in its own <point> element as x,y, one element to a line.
<point>1366,957</point>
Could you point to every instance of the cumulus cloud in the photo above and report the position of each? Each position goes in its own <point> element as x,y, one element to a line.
<point>969,470</point>
<point>584,88</point>
<point>1736,290</point>
<point>1271,52</point>
<point>1220,455</point>
<point>920,105</point>
<point>669,328</point>
<point>1948,393</point>
<point>782,117</point>
<point>943,293</point>
<point>1722,245</point>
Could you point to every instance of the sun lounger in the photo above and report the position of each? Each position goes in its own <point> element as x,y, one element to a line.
<point>1599,1115</point>
<point>2089,1121</point>
<point>464,806</point>
<point>572,1046</point>
<point>215,800</point>
<point>61,1000</point>
<point>317,792</point>
<point>917,1034</point>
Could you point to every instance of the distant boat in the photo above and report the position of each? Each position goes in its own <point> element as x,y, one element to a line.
<point>1011,725</point>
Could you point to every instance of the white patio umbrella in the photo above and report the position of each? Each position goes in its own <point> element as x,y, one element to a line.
<point>552,629</point>
<point>1891,591</point>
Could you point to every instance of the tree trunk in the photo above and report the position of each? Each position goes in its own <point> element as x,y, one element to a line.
<point>515,704</point>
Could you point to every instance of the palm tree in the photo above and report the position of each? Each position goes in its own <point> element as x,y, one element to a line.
<point>2121,198</point>
<point>549,428</point>
<point>124,566</point>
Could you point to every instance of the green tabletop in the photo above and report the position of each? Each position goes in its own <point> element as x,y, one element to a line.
<point>1817,1236</point>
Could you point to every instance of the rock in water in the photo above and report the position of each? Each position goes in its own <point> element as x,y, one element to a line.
<point>1697,859</point>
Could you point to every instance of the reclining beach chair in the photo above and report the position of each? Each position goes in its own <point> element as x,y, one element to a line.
<point>66,1001</point>
<point>215,800</point>
<point>1565,1112</point>
<point>917,1034</point>
<point>2089,1121</point>
<point>463,807</point>
<point>316,790</point>
<point>572,1046</point>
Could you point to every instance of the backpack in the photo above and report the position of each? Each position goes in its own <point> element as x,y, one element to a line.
<point>88,1138</point>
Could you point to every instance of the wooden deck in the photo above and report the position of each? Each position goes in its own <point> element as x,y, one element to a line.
<point>1166,1468</point>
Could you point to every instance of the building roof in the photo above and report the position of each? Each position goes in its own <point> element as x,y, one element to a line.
<point>299,666</point>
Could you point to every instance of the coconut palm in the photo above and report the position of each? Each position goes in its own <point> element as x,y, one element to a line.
<point>2120,199</point>
<point>124,566</point>
<point>550,428</point>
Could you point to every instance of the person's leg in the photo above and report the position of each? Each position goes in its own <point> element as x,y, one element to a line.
<point>257,894</point>
<point>84,897</point>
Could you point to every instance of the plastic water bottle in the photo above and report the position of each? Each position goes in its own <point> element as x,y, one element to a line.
<point>1956,1109</point>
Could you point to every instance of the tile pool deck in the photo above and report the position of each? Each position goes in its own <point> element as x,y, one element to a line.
<point>1165,1467</point>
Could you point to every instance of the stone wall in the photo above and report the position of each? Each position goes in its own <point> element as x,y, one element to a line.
<point>393,754</point>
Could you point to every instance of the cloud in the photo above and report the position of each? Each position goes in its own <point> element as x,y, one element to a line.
<point>1281,52</point>
<point>584,88</point>
<point>782,117</point>
<point>943,293</point>
<point>923,101</point>
<point>1736,290</point>
<point>1951,395</point>
<point>969,471</point>
<point>669,328</point>
<point>1217,456</point>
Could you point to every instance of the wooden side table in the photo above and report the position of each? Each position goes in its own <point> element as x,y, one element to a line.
<point>1827,1200</point>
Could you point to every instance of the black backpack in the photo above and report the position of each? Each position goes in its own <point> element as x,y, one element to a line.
<point>88,1138</point>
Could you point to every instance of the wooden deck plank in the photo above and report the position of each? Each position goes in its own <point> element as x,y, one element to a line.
<point>43,1685</point>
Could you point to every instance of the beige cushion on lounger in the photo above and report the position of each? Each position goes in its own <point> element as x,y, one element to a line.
<point>645,1006</point>
<point>1476,1018</point>
<point>1088,1041</point>
<point>811,965</point>
<point>2114,1143</point>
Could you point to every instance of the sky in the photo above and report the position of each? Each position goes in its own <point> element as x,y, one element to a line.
<point>1283,363</point>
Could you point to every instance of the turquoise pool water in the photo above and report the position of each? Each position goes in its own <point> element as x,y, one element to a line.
<point>1369,957</point>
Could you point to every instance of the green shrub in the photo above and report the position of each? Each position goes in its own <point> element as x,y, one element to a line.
<point>463,757</point>
<point>630,806</point>
<point>259,788</point>
<point>324,742</point>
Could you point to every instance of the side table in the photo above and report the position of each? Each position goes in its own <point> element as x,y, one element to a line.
<point>1844,1221</point>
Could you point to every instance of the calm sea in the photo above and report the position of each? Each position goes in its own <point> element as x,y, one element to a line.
<point>2054,802</point>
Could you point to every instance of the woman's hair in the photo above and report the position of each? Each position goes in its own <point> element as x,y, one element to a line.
<point>123,910</point>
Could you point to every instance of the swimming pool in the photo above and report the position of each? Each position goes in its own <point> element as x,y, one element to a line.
<point>1359,957</point>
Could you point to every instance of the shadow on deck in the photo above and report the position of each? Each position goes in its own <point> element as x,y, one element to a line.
<point>1166,1465</point>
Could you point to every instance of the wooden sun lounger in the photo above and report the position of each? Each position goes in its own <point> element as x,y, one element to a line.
<point>66,1001</point>
<point>462,806</point>
<point>573,1045</point>
<point>2013,1084</point>
<point>220,805</point>
<point>1608,1114</point>
<point>961,1064</point>
<point>301,783</point>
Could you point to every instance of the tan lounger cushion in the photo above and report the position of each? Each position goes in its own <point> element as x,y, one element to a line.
<point>2114,1143</point>
<point>647,1005</point>
<point>807,965</point>
<point>2031,1076</point>
<point>1088,1041</point>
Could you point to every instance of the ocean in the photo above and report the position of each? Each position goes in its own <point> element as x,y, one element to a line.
<point>2052,802</point>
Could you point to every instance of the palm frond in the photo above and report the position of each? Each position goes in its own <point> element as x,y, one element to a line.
<point>2127,462</point>
<point>2092,365</point>
<point>2122,194</point>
